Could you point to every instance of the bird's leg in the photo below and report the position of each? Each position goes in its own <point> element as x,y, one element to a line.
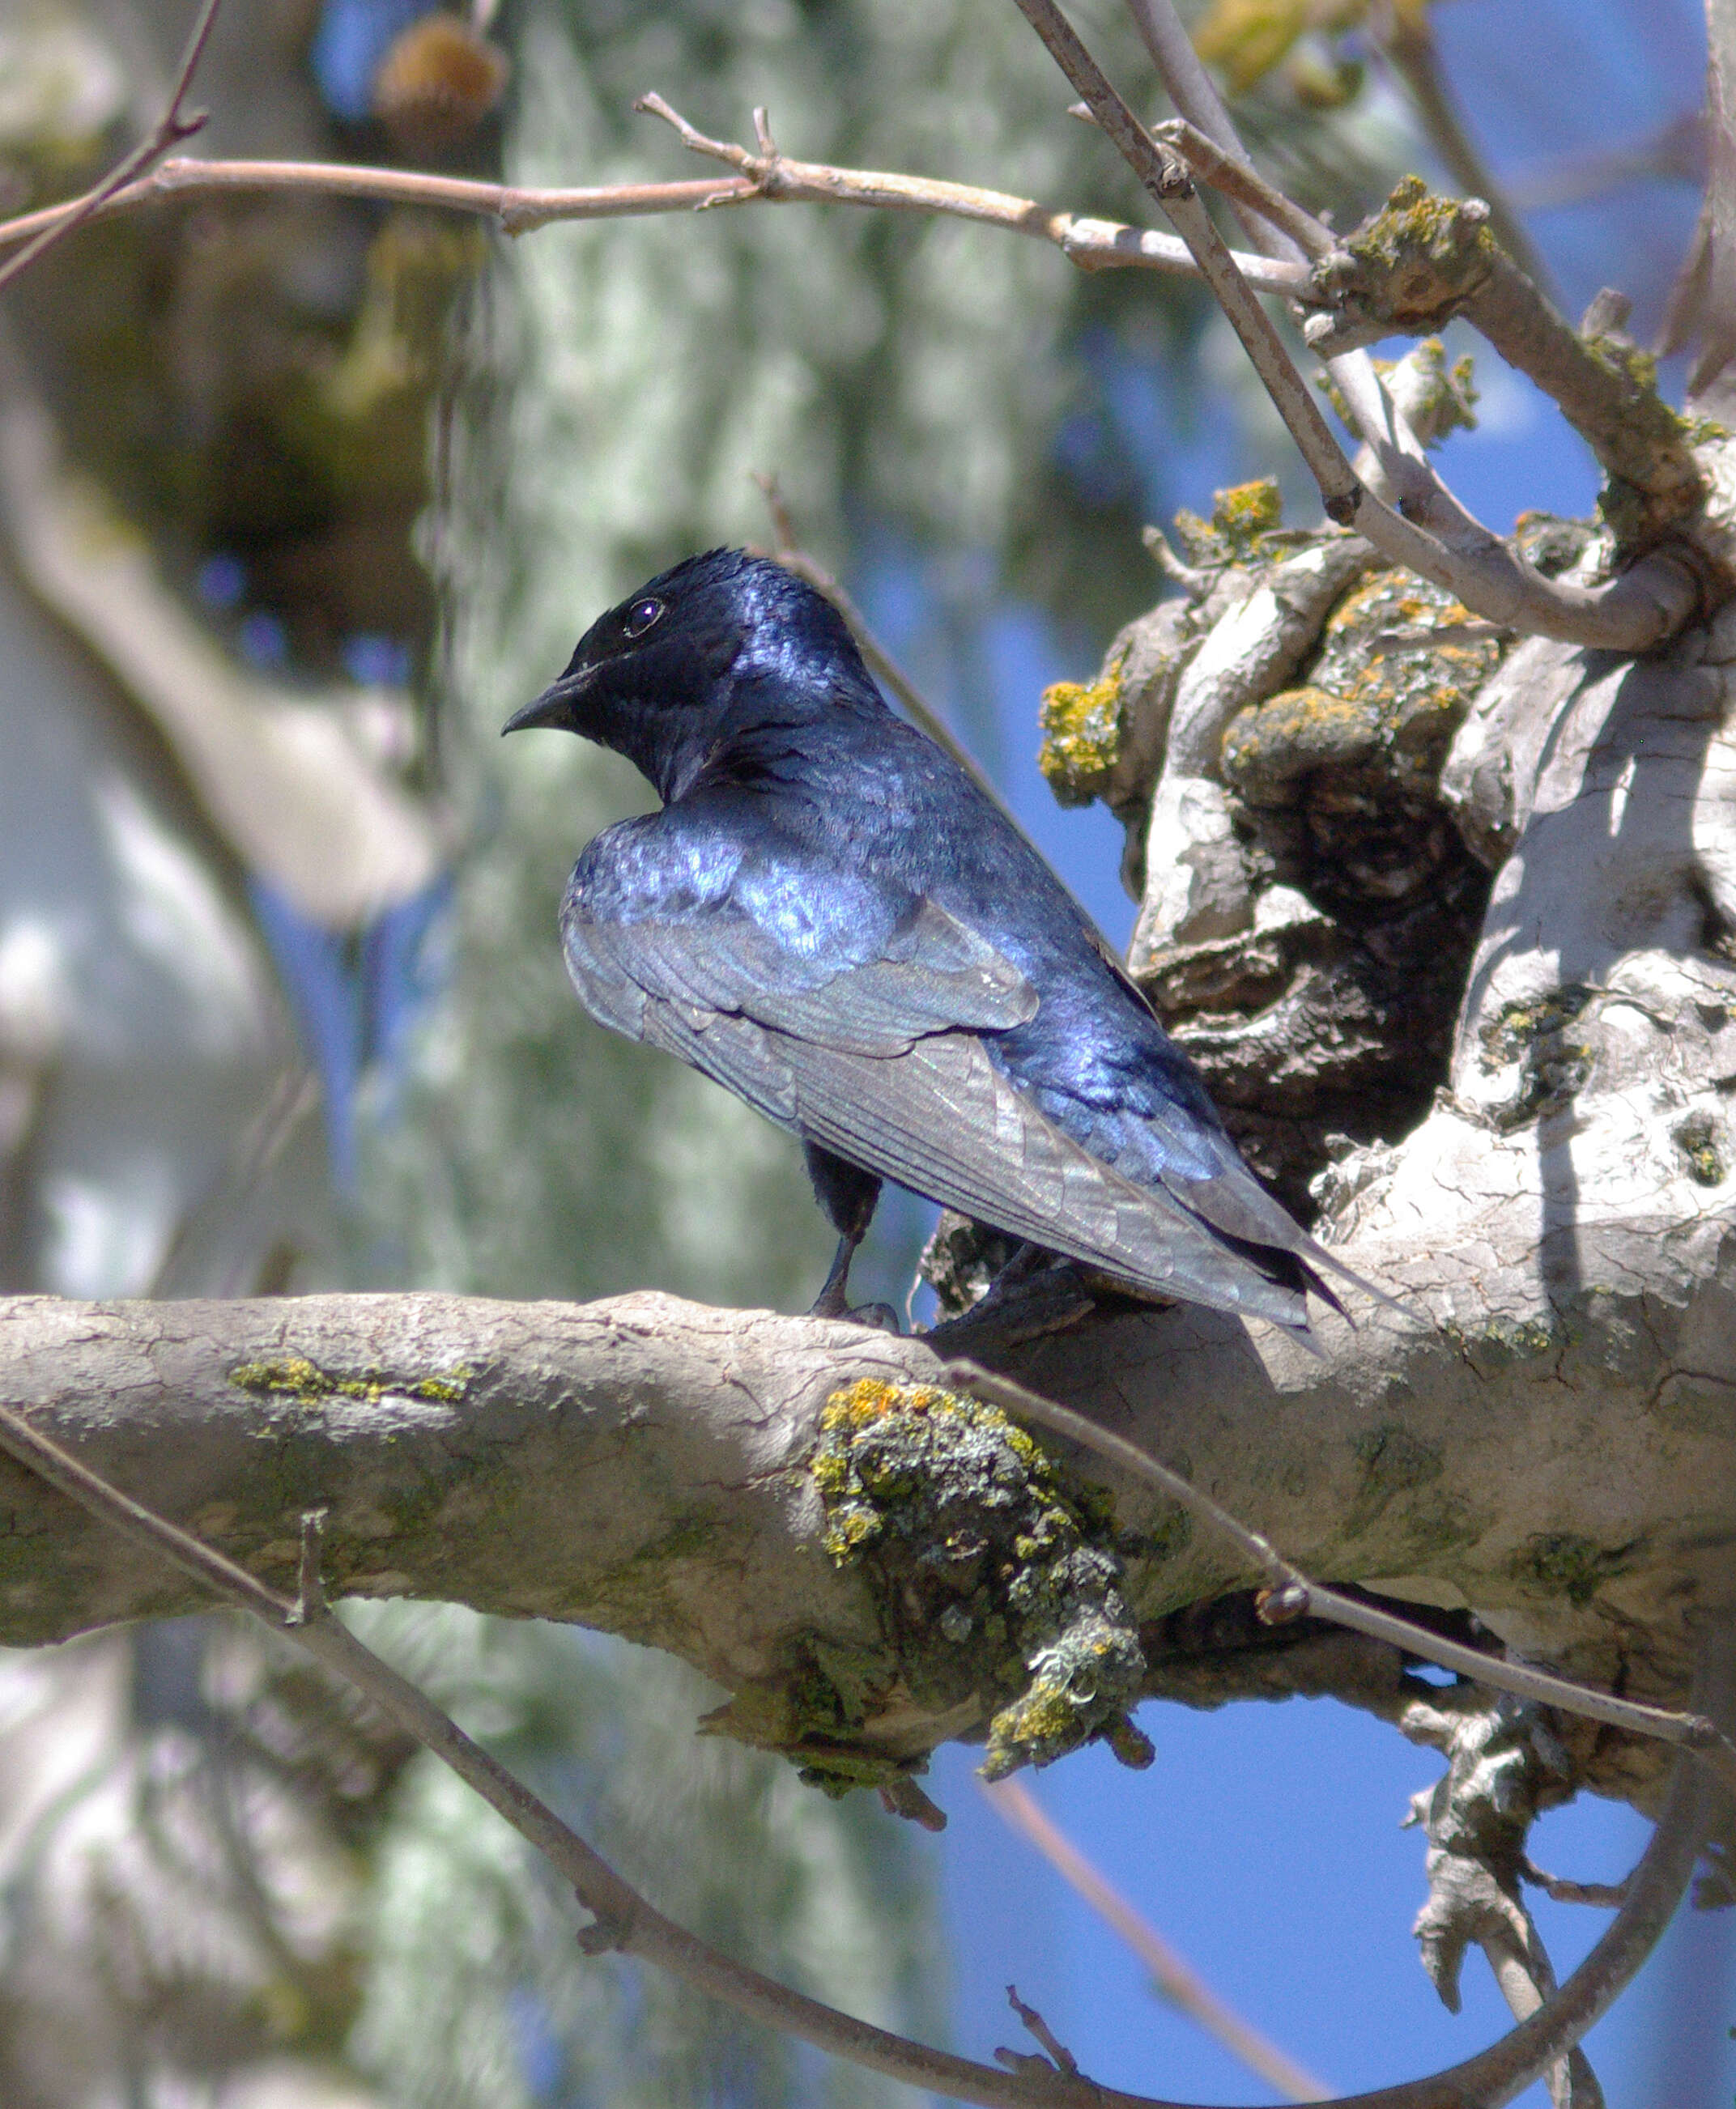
<point>848,1195</point>
<point>834,1300</point>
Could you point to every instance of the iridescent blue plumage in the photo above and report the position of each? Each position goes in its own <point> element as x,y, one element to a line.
<point>830,919</point>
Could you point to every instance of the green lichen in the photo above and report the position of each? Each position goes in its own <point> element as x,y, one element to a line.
<point>989,1573</point>
<point>1554,1065</point>
<point>293,1376</point>
<point>1568,1565</point>
<point>1645,446</point>
<point>1698,1138</point>
<point>1380,706</point>
<point>1448,400</point>
<point>1244,516</point>
<point>1415,262</point>
<point>1081,725</point>
<point>1439,399</point>
<point>816,1714</point>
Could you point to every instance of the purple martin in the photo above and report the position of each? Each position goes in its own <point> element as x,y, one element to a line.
<point>829,918</point>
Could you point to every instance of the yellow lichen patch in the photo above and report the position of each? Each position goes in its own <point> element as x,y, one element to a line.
<point>1371,722</point>
<point>1245,510</point>
<point>1300,729</point>
<point>1081,725</point>
<point>294,1376</point>
<point>992,1577</point>
<point>293,1373</point>
<point>1243,515</point>
<point>870,1399</point>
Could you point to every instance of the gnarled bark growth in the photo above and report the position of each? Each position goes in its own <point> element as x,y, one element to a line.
<point>1321,785</point>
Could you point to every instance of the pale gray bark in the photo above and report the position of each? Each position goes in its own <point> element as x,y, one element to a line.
<point>1549,1440</point>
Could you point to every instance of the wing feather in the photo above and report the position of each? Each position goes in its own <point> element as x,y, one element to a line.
<point>880,1063</point>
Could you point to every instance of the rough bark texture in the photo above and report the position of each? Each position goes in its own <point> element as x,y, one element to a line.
<point>1324,779</point>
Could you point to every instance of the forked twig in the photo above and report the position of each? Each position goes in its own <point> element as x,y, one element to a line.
<point>167,134</point>
<point>1058,2055</point>
<point>1244,185</point>
<point>1291,1595</point>
<point>623,1920</point>
<point>794,558</point>
<point>1172,1975</point>
<point>1631,613</point>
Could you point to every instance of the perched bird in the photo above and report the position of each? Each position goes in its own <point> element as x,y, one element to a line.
<point>829,918</point>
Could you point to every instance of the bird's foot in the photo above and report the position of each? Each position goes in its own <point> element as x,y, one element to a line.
<point>1025,1304</point>
<point>880,1316</point>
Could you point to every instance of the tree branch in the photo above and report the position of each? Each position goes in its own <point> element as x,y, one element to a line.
<point>169,130</point>
<point>1289,1594</point>
<point>1633,612</point>
<point>1419,262</point>
<point>625,1922</point>
<point>1094,244</point>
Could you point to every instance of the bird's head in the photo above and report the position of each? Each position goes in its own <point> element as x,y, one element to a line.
<point>715,647</point>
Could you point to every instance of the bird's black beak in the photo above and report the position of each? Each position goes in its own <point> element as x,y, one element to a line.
<point>553,707</point>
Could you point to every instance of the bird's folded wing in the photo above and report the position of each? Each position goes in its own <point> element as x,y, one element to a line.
<point>882,1063</point>
<point>930,973</point>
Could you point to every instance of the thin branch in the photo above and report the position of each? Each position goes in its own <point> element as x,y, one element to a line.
<point>1603,1896</point>
<point>169,130</point>
<point>1244,185</point>
<point>794,558</point>
<point>1094,244</point>
<point>1173,1975</point>
<point>1631,613</point>
<point>1190,87</point>
<point>624,1922</point>
<point>1417,263</point>
<point>1294,1595</point>
<point>1605,396</point>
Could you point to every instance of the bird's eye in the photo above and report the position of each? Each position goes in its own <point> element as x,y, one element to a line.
<point>640,617</point>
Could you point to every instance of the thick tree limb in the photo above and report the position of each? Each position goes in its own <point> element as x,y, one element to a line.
<point>625,1922</point>
<point>639,1466</point>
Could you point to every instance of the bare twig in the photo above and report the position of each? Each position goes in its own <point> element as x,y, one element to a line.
<point>1189,86</point>
<point>1604,1896</point>
<point>794,558</point>
<point>171,129</point>
<point>623,1921</point>
<point>1060,2056</point>
<point>1173,1975</point>
<point>1631,613</point>
<point>1294,1595</point>
<point>1094,244</point>
<point>1244,185</point>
